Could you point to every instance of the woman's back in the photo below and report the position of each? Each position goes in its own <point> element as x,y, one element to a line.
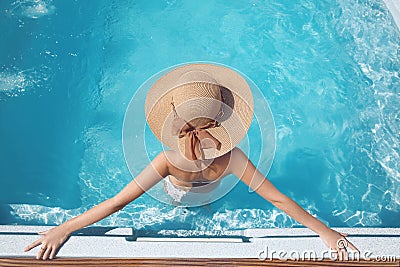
<point>188,173</point>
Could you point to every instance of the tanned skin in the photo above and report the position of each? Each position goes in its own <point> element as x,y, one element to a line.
<point>185,172</point>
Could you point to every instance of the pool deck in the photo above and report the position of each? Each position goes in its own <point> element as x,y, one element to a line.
<point>87,262</point>
<point>394,8</point>
<point>267,244</point>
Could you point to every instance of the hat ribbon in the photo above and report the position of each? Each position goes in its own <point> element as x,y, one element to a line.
<point>194,136</point>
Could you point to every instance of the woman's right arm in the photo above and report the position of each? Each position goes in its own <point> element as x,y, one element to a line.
<point>52,239</point>
<point>243,168</point>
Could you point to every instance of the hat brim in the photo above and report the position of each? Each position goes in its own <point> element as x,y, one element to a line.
<point>237,110</point>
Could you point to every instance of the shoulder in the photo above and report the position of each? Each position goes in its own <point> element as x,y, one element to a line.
<point>160,163</point>
<point>169,159</point>
<point>168,156</point>
<point>238,161</point>
<point>237,153</point>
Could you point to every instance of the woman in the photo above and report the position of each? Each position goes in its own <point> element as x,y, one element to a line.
<point>201,112</point>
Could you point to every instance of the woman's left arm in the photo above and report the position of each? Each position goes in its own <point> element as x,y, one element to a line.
<point>243,168</point>
<point>52,239</point>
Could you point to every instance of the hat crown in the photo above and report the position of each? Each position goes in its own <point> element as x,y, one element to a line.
<point>202,91</point>
<point>197,102</point>
<point>197,97</point>
<point>195,76</point>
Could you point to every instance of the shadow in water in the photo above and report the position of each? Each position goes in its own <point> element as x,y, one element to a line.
<point>6,216</point>
<point>95,231</point>
<point>182,234</point>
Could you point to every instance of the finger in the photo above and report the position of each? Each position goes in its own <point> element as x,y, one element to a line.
<point>53,253</point>
<point>344,234</point>
<point>352,246</point>
<point>42,233</point>
<point>40,253</point>
<point>34,244</point>
<point>46,253</point>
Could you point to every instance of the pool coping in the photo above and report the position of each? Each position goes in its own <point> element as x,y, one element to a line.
<point>110,242</point>
<point>394,8</point>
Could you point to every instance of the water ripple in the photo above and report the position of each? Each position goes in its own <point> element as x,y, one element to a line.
<point>33,9</point>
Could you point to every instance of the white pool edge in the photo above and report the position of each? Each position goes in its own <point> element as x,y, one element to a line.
<point>292,242</point>
<point>279,244</point>
<point>394,8</point>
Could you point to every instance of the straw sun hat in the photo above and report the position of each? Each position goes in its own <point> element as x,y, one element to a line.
<point>202,110</point>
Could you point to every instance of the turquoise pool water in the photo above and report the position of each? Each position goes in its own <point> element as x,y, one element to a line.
<point>329,70</point>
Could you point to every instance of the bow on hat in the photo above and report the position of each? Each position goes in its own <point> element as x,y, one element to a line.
<point>196,138</point>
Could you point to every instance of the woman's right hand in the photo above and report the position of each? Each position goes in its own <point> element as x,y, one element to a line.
<point>51,240</point>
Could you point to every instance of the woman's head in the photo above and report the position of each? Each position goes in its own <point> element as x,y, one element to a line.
<point>198,102</point>
<point>197,105</point>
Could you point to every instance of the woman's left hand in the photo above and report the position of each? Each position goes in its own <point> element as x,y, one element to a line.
<point>51,240</point>
<point>338,242</point>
